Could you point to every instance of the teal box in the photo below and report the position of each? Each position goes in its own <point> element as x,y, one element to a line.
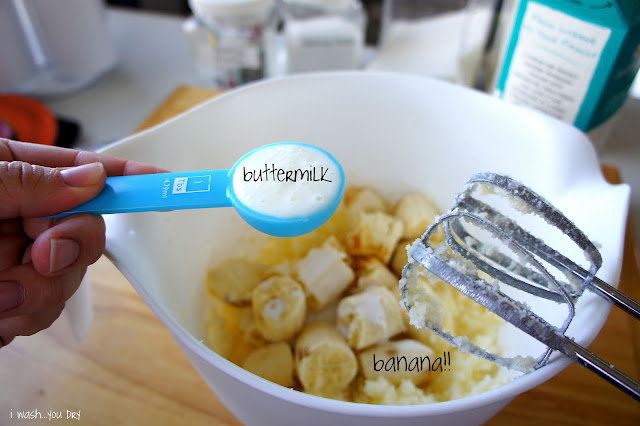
<point>574,60</point>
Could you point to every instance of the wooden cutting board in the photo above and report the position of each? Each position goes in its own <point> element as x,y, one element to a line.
<point>130,371</point>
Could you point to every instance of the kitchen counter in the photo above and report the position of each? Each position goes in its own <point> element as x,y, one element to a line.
<point>129,370</point>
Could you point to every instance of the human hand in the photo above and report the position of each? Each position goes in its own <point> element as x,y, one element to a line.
<point>42,261</point>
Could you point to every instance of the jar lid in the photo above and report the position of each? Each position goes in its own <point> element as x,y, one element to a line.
<point>212,9</point>
<point>28,120</point>
<point>330,4</point>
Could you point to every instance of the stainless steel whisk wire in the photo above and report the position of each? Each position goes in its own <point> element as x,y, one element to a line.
<point>531,276</point>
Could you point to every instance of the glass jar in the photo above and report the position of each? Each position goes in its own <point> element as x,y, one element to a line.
<point>323,35</point>
<point>228,39</point>
<point>421,37</point>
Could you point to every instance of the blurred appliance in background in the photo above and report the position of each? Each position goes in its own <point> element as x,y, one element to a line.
<point>53,47</point>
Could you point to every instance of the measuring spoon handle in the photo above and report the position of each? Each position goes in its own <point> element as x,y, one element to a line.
<point>158,192</point>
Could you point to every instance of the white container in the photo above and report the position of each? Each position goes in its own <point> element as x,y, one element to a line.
<point>422,37</point>
<point>398,133</point>
<point>228,39</point>
<point>53,48</point>
<point>323,34</point>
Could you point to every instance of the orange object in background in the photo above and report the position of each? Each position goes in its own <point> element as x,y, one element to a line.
<point>29,120</point>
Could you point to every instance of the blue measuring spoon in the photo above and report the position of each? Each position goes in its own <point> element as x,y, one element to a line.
<point>213,188</point>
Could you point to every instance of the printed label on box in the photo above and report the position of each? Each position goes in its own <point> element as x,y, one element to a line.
<point>554,61</point>
<point>184,185</point>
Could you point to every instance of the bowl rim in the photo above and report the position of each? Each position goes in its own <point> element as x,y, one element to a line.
<point>503,393</point>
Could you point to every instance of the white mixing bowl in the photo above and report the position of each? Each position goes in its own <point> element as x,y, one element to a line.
<point>394,132</point>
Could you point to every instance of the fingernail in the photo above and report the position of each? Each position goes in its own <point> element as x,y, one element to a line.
<point>63,253</point>
<point>11,295</point>
<point>85,175</point>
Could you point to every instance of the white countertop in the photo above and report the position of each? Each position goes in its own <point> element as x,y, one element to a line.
<point>154,58</point>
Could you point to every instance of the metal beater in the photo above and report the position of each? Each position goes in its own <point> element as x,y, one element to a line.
<point>482,245</point>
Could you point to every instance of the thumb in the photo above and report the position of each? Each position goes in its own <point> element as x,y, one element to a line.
<point>28,190</point>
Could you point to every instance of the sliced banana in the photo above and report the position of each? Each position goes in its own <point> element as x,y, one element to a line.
<point>324,274</point>
<point>325,363</point>
<point>279,307</point>
<point>417,212</point>
<point>362,200</point>
<point>370,317</point>
<point>273,362</point>
<point>376,235</point>
<point>371,272</point>
<point>234,279</point>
